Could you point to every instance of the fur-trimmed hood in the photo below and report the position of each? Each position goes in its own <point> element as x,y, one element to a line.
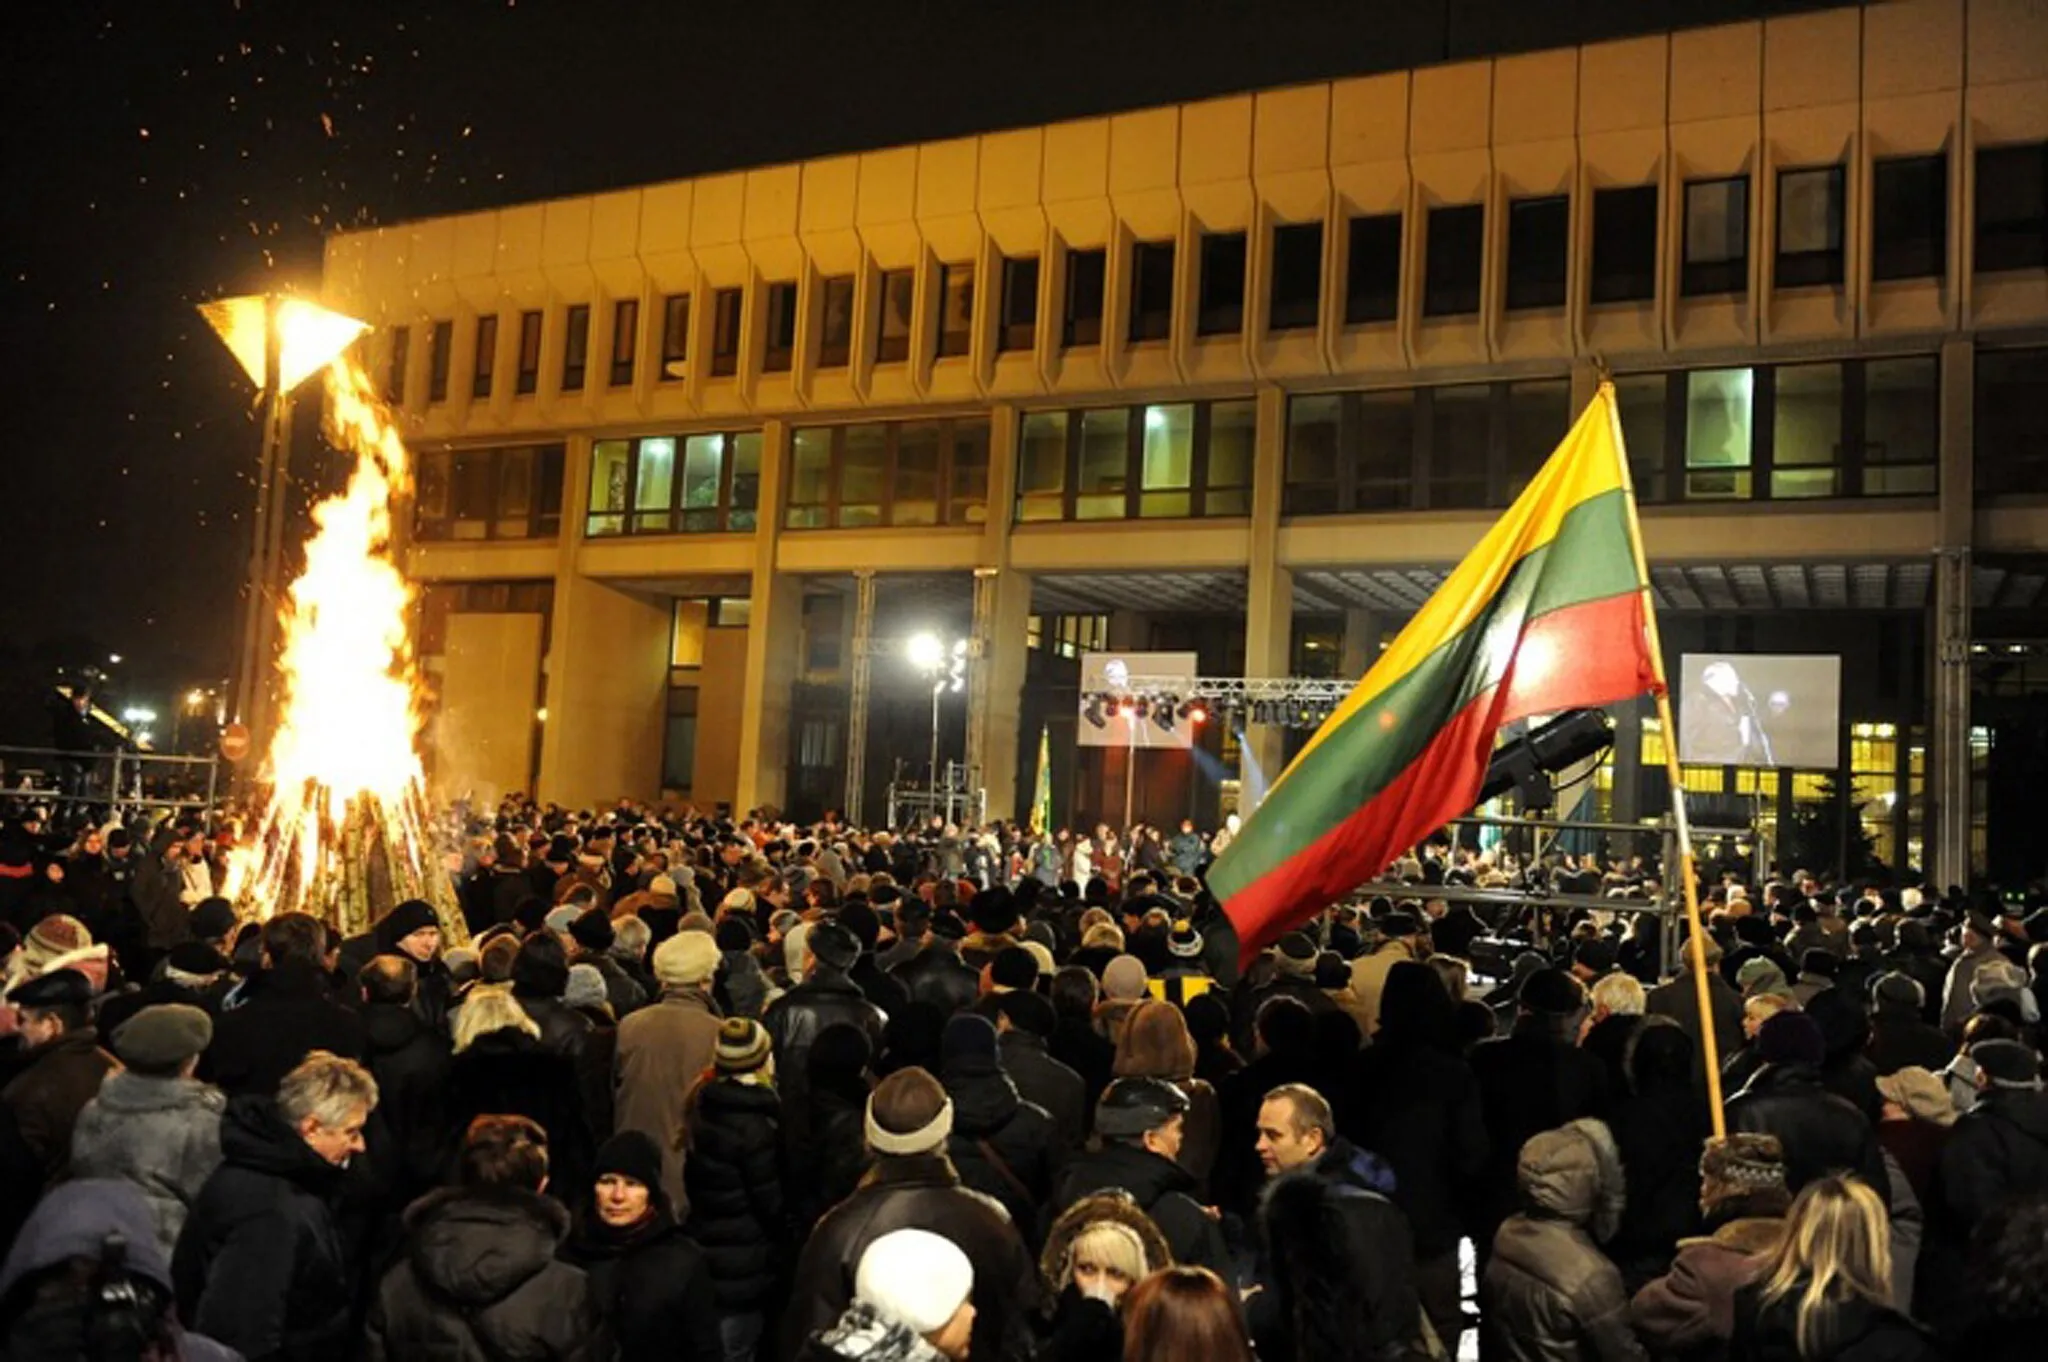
<point>1089,1210</point>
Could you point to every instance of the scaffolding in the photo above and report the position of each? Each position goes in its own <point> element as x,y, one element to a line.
<point>121,783</point>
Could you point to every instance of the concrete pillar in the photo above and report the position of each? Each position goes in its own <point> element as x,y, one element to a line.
<point>1269,595</point>
<point>1002,612</point>
<point>774,641</point>
<point>607,684</point>
<point>1364,632</point>
<point>1948,787</point>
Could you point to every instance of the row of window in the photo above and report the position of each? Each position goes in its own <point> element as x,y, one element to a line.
<point>1837,428</point>
<point>675,484</point>
<point>889,473</point>
<point>1779,432</point>
<point>510,492</point>
<point>1908,239</point>
<point>1166,460</point>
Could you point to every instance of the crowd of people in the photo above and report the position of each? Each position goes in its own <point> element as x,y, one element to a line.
<point>725,1090</point>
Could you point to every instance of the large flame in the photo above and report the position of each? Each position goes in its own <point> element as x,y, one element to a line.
<point>344,822</point>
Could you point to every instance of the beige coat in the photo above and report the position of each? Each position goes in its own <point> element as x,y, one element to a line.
<point>663,1049</point>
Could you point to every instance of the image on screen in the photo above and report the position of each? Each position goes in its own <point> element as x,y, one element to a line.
<point>1753,709</point>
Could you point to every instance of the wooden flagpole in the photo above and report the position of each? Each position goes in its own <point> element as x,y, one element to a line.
<point>1696,936</point>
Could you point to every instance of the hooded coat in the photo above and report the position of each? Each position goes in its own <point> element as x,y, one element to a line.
<point>478,1281</point>
<point>739,1215</point>
<point>49,1091</point>
<point>74,1222</point>
<point>1079,1328</point>
<point>509,1073</point>
<point>161,1134</point>
<point>285,1013</point>
<point>1548,1293</point>
<point>260,1264</point>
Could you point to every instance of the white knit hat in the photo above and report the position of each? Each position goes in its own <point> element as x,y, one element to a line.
<point>914,1277</point>
<point>685,958</point>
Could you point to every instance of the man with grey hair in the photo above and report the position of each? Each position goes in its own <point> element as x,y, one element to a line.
<point>261,1258</point>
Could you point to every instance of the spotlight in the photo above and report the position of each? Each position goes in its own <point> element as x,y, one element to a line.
<point>1527,763</point>
<point>1092,711</point>
<point>1163,712</point>
<point>1194,713</point>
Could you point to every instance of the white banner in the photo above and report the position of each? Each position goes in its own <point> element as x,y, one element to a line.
<point>1113,714</point>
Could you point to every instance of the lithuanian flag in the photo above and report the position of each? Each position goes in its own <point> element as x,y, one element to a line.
<point>1547,613</point>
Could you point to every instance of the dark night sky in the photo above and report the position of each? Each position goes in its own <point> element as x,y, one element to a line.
<point>164,152</point>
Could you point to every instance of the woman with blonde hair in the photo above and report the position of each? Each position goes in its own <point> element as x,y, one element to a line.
<point>1098,1249</point>
<point>1154,1042</point>
<point>501,1068</point>
<point>1824,1294</point>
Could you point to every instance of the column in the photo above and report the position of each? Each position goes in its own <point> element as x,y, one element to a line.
<point>862,673</point>
<point>1364,633</point>
<point>1002,612</point>
<point>1948,785</point>
<point>607,684</point>
<point>774,641</point>
<point>1269,595</point>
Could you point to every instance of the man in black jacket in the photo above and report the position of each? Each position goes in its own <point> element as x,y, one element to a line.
<point>1024,1024</point>
<point>410,1062</point>
<point>1142,1122</point>
<point>912,1184</point>
<point>260,1264</point>
<point>937,975</point>
<point>1821,1132</point>
<point>1329,1235</point>
<point>827,995</point>
<point>281,1014</point>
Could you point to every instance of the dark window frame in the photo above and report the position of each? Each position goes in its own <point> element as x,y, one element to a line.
<point>483,366</point>
<point>778,330</point>
<point>1017,328</point>
<point>1538,278</point>
<point>1225,262</point>
<point>575,346</point>
<point>526,365</point>
<point>434,518</point>
<point>675,337</point>
<point>1723,275</point>
<point>1086,298</point>
<point>728,329</point>
<point>1373,294</point>
<point>1822,266</point>
<point>1297,259</point>
<point>953,344</point>
<point>825,515</point>
<point>1151,292</point>
<point>894,349</point>
<point>1908,224</point>
<point>836,351</point>
<point>626,333</point>
<point>2011,241</point>
<point>1624,256</point>
<point>1454,238</point>
<point>440,359</point>
<point>728,516</point>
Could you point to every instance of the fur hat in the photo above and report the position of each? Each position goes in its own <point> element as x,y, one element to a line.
<point>1013,967</point>
<point>1791,1038</point>
<point>685,959</point>
<point>1295,954</point>
<point>58,934</point>
<point>593,930</point>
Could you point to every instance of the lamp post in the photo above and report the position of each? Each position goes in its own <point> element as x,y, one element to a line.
<point>946,667</point>
<point>280,342</point>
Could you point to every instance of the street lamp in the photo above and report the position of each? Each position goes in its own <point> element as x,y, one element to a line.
<point>945,665</point>
<point>280,343</point>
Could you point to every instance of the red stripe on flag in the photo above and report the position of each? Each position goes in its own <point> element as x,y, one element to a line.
<point>1593,653</point>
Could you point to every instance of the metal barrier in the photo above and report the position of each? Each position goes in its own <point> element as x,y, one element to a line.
<point>120,782</point>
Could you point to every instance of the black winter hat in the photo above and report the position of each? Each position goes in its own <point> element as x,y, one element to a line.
<point>834,946</point>
<point>860,919</point>
<point>992,911</point>
<point>1131,1106</point>
<point>411,916</point>
<point>541,967</point>
<point>593,930</point>
<point>839,1049</point>
<point>212,919</point>
<point>1552,992</point>
<point>632,1154</point>
<point>733,933</point>
<point>1013,967</point>
<point>968,1039</point>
